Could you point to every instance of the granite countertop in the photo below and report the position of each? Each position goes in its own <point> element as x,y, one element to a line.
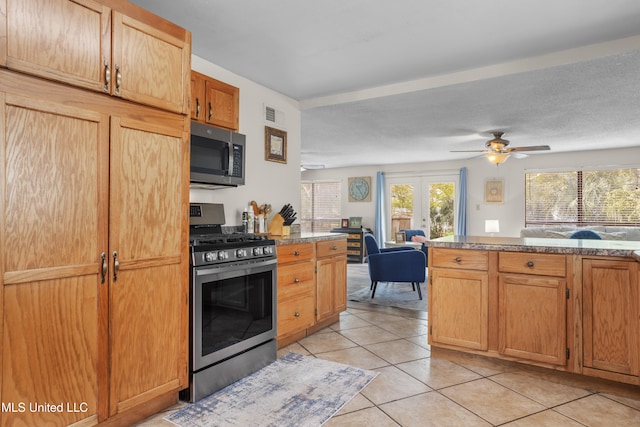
<point>307,237</point>
<point>620,248</point>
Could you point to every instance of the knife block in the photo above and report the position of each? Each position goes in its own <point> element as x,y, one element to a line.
<point>277,227</point>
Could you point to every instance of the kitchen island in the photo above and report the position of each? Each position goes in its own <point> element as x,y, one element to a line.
<point>312,283</point>
<point>568,305</point>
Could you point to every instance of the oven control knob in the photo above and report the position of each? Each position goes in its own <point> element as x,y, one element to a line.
<point>268,250</point>
<point>241,253</point>
<point>222,255</point>
<point>210,256</point>
<point>257,251</point>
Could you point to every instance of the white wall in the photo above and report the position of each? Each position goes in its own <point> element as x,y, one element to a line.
<point>266,182</point>
<point>511,213</point>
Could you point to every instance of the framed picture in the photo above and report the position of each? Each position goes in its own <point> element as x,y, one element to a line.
<point>355,221</point>
<point>275,145</point>
<point>401,237</point>
<point>494,191</point>
<point>345,222</point>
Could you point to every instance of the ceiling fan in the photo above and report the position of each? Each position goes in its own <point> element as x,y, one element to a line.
<point>498,150</point>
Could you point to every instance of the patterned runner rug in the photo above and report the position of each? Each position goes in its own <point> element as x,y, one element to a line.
<point>294,390</point>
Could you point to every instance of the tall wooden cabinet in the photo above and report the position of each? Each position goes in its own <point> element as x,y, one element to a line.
<point>93,226</point>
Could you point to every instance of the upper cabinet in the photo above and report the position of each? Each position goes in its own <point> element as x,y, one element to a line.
<point>214,102</point>
<point>111,46</point>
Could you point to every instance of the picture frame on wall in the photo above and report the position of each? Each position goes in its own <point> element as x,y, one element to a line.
<point>275,145</point>
<point>494,191</point>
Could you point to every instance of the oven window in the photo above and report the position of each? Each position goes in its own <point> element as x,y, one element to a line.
<point>236,309</point>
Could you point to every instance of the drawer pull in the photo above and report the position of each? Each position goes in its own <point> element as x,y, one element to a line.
<point>296,314</point>
<point>296,253</point>
<point>530,264</point>
<point>458,259</point>
<point>296,280</point>
<point>334,248</point>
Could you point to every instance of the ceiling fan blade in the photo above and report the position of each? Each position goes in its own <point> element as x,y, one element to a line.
<point>531,148</point>
<point>469,151</point>
<point>520,155</point>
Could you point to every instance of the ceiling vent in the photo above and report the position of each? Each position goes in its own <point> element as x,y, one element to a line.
<point>274,117</point>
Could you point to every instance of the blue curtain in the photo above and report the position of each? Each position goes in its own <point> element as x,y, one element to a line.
<point>380,221</point>
<point>463,227</point>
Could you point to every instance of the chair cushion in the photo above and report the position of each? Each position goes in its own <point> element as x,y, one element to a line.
<point>585,234</point>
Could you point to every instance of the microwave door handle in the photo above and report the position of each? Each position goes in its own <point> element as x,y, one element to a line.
<point>230,160</point>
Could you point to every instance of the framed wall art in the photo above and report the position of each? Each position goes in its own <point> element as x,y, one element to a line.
<point>494,191</point>
<point>360,189</point>
<point>275,145</point>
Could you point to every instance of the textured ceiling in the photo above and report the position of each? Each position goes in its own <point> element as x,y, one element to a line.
<point>410,80</point>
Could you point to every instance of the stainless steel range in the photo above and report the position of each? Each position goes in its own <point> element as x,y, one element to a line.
<point>233,302</point>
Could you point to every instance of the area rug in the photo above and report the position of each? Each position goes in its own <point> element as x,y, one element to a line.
<point>391,294</point>
<point>294,390</point>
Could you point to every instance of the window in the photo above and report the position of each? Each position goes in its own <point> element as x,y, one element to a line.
<point>320,206</point>
<point>590,197</point>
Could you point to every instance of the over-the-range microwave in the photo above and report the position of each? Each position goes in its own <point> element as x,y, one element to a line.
<point>217,157</point>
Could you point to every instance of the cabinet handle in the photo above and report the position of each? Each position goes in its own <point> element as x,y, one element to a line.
<point>107,76</point>
<point>334,248</point>
<point>296,253</point>
<point>116,266</point>
<point>105,267</point>
<point>458,259</point>
<point>210,112</point>
<point>530,264</point>
<point>296,280</point>
<point>198,108</point>
<point>118,79</point>
<point>296,314</point>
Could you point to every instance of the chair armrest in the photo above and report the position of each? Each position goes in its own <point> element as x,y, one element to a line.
<point>396,248</point>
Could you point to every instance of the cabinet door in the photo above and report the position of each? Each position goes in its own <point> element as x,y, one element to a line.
<point>198,100</point>
<point>64,40</point>
<point>53,202</point>
<point>459,308</point>
<point>149,290</point>
<point>532,321</point>
<point>340,282</point>
<point>223,103</point>
<point>610,322</point>
<point>150,66</point>
<point>324,287</point>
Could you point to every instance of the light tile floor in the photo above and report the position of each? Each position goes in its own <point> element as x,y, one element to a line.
<point>415,388</point>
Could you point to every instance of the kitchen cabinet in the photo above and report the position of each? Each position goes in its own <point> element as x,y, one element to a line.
<point>94,253</point>
<point>611,307</point>
<point>331,284</point>
<point>296,288</point>
<point>112,47</point>
<point>532,306</point>
<point>459,298</point>
<point>214,102</point>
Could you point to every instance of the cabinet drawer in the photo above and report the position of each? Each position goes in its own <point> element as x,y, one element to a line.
<point>296,278</point>
<point>331,248</point>
<point>464,259</point>
<point>532,263</point>
<point>296,314</point>
<point>295,252</point>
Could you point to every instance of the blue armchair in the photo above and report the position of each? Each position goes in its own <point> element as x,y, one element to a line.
<point>410,233</point>
<point>398,264</point>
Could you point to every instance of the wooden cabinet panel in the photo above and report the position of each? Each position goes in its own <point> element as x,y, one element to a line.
<point>223,104</point>
<point>331,248</point>
<point>88,44</point>
<point>458,308</point>
<point>198,97</point>
<point>63,40</point>
<point>150,66</point>
<point>532,318</point>
<point>295,252</point>
<point>460,259</point>
<point>296,314</point>
<point>331,283</point>
<point>294,279</point>
<point>532,263</point>
<point>54,308</point>
<point>611,309</point>
<point>147,297</point>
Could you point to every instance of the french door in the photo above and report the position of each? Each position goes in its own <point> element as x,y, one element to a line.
<point>422,202</point>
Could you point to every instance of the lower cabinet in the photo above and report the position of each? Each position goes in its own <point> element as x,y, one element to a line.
<point>312,286</point>
<point>611,309</point>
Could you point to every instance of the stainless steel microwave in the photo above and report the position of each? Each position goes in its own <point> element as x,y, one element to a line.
<point>217,157</point>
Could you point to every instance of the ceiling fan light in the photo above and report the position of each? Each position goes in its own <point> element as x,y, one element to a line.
<point>497,158</point>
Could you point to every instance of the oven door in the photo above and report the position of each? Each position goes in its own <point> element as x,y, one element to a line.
<point>234,310</point>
